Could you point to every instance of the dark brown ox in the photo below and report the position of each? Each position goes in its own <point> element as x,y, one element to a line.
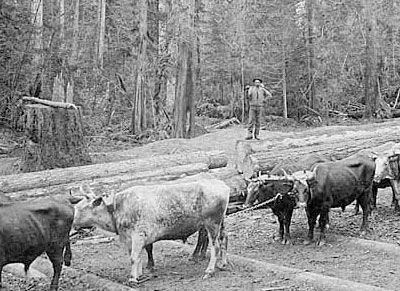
<point>260,190</point>
<point>142,215</point>
<point>337,184</point>
<point>27,229</point>
<point>387,174</point>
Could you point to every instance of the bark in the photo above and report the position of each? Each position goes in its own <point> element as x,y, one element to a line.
<point>371,60</point>
<point>186,76</point>
<point>74,52</point>
<point>102,30</point>
<point>310,48</point>
<point>14,183</point>
<point>139,108</point>
<point>112,183</point>
<point>37,21</point>
<point>382,132</point>
<point>54,139</point>
<point>268,160</point>
<point>118,183</point>
<point>53,104</point>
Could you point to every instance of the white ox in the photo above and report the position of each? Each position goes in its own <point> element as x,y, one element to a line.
<point>142,215</point>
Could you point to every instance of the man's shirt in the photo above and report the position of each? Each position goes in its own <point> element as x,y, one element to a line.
<point>258,96</point>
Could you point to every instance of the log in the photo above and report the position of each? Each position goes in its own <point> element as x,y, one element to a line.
<point>54,139</point>
<point>54,104</point>
<point>266,161</point>
<point>15,183</point>
<point>338,134</point>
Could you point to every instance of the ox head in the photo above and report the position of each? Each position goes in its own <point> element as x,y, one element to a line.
<point>253,187</point>
<point>386,166</point>
<point>91,211</point>
<point>300,186</point>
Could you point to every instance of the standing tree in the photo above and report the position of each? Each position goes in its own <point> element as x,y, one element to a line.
<point>186,72</point>
<point>370,64</point>
<point>139,104</point>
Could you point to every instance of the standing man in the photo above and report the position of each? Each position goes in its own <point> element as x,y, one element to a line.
<point>258,96</point>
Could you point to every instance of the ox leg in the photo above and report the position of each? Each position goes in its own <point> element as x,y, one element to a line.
<point>137,245</point>
<point>287,220</point>
<point>312,215</point>
<point>150,259</point>
<point>201,246</point>
<point>213,233</point>
<point>281,221</point>
<point>323,221</point>
<point>223,241</point>
<point>67,254</point>
<point>364,201</point>
<point>396,195</point>
<point>55,255</point>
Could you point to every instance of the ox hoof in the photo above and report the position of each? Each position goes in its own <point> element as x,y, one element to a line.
<point>286,242</point>
<point>320,243</point>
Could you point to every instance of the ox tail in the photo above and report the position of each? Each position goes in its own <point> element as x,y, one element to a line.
<point>67,254</point>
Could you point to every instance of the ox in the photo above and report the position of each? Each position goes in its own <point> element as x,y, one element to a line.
<point>27,229</point>
<point>336,184</point>
<point>142,215</point>
<point>261,190</point>
<point>387,173</point>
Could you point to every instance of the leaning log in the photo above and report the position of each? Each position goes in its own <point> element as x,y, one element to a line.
<point>246,148</point>
<point>267,160</point>
<point>15,183</point>
<point>111,184</point>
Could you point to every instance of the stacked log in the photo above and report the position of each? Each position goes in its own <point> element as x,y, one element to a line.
<point>114,177</point>
<point>265,156</point>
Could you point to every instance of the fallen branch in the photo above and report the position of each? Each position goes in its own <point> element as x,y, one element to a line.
<point>224,124</point>
<point>54,104</point>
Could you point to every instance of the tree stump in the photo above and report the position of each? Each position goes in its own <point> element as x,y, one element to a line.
<point>54,138</point>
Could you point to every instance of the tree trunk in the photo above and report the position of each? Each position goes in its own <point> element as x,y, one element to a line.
<point>37,21</point>
<point>54,139</point>
<point>102,31</point>
<point>185,81</point>
<point>74,52</point>
<point>310,48</point>
<point>370,74</point>
<point>139,107</point>
<point>14,183</point>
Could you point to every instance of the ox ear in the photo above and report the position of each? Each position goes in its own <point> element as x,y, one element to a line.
<point>97,202</point>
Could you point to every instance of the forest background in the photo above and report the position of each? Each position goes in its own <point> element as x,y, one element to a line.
<point>151,67</point>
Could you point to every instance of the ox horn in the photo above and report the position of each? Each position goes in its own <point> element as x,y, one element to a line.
<point>88,192</point>
<point>287,176</point>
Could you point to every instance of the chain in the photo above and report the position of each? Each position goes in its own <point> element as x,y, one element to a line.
<point>278,196</point>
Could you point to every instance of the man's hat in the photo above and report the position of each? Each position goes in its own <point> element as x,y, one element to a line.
<point>257,79</point>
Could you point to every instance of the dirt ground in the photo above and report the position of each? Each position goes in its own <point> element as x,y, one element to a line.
<point>251,235</point>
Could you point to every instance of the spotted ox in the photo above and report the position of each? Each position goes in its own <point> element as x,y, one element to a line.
<point>142,215</point>
<point>336,184</point>
<point>27,229</point>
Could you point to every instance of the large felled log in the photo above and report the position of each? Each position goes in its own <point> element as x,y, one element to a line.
<point>268,160</point>
<point>113,183</point>
<point>15,183</point>
<point>314,138</point>
<point>54,139</point>
<point>117,183</point>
